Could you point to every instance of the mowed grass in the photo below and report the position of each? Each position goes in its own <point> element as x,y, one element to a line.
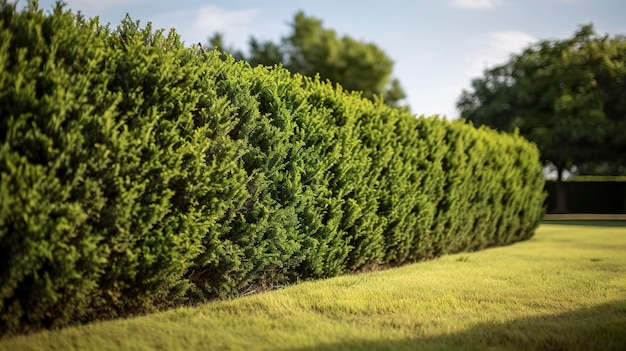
<point>565,289</point>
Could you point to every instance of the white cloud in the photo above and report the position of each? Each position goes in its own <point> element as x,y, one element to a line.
<point>504,43</point>
<point>214,18</point>
<point>197,25</point>
<point>495,49</point>
<point>97,7</point>
<point>475,4</point>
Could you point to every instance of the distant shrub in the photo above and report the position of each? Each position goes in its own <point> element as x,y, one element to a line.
<point>590,194</point>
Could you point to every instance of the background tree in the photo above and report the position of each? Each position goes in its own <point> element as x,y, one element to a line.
<point>311,49</point>
<point>217,41</point>
<point>568,96</point>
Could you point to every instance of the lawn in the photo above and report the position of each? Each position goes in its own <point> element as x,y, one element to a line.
<point>565,289</point>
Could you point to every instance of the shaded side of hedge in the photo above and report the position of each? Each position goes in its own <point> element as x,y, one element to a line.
<point>139,174</point>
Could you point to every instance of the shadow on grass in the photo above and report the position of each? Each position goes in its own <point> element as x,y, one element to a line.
<point>586,222</point>
<point>598,328</point>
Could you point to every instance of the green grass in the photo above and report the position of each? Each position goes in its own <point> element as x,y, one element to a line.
<point>565,289</point>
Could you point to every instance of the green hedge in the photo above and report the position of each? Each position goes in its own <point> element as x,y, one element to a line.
<point>590,194</point>
<point>139,174</point>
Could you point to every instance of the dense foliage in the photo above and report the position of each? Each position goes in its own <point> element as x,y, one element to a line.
<point>138,174</point>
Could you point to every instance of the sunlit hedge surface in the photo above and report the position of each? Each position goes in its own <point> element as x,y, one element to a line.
<point>137,173</point>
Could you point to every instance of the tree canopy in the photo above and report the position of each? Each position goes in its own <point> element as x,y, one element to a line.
<point>311,49</point>
<point>568,96</point>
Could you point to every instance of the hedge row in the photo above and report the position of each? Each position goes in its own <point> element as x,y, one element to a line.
<point>139,174</point>
<point>590,194</point>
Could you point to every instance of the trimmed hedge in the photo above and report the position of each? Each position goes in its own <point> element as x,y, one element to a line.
<point>139,174</point>
<point>590,194</point>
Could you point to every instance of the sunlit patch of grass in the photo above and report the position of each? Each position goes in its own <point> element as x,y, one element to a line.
<point>563,289</point>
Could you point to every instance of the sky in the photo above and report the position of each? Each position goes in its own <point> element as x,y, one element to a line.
<point>438,46</point>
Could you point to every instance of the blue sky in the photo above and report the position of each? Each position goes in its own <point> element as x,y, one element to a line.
<point>438,46</point>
